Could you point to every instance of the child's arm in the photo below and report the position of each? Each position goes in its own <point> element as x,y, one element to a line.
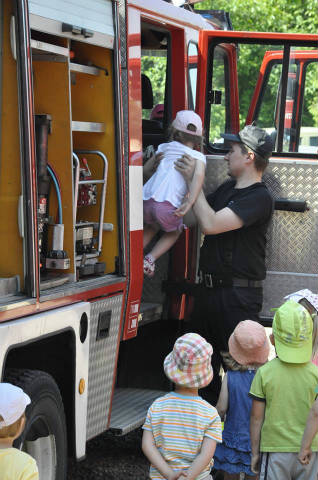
<point>151,166</point>
<point>223,401</point>
<point>309,433</point>
<point>257,420</point>
<point>202,459</point>
<point>195,187</point>
<point>156,459</point>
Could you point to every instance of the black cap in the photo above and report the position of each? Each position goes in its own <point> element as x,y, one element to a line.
<point>254,138</point>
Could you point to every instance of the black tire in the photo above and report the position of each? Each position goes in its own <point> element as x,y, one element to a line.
<point>45,418</point>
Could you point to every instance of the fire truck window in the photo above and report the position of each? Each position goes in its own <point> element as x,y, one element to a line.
<point>218,98</point>
<point>267,112</point>
<point>308,136</point>
<point>192,74</point>
<point>153,67</point>
<point>251,59</point>
<point>260,72</point>
<point>154,54</point>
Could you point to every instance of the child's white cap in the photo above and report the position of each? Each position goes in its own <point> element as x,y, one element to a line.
<point>13,402</point>
<point>189,122</point>
<point>311,297</point>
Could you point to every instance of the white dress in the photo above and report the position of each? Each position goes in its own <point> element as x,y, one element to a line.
<point>167,184</point>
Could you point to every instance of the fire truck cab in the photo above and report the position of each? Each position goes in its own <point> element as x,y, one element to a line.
<point>81,330</point>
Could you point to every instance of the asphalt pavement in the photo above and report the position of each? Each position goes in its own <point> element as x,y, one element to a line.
<point>111,458</point>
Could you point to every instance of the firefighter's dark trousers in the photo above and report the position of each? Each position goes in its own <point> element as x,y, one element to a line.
<point>216,313</point>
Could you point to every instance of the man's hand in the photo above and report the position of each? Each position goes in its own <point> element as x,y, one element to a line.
<point>183,209</point>
<point>304,455</point>
<point>158,158</point>
<point>186,166</point>
<point>255,466</point>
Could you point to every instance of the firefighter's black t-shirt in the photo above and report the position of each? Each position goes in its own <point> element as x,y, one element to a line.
<point>239,253</point>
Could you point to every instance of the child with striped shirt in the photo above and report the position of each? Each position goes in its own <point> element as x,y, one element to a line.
<point>181,429</point>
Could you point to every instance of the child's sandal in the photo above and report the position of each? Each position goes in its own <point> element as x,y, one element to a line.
<point>149,265</point>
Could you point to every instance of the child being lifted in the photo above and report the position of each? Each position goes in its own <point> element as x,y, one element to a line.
<point>166,195</point>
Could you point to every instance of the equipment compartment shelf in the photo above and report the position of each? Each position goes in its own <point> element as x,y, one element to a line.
<point>88,127</point>
<point>43,48</point>
<point>76,67</point>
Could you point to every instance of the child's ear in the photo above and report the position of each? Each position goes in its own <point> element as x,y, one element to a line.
<point>272,339</point>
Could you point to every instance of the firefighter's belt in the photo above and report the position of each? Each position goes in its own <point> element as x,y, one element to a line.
<point>211,281</point>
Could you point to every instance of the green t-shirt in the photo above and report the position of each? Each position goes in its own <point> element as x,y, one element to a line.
<point>289,392</point>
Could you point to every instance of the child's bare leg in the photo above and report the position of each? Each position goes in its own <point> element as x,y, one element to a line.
<point>164,243</point>
<point>231,476</point>
<point>149,232</point>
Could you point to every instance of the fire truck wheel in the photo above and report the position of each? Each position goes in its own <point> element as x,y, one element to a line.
<point>44,437</point>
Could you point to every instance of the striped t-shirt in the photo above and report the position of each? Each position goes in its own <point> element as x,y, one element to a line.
<point>178,424</point>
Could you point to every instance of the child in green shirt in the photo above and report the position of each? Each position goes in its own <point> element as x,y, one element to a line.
<point>283,391</point>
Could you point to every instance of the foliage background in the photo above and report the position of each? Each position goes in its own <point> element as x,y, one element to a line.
<point>293,16</point>
<point>268,15</point>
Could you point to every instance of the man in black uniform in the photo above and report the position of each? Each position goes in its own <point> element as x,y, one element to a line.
<point>234,220</point>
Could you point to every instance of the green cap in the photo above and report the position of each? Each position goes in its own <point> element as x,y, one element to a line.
<point>292,329</point>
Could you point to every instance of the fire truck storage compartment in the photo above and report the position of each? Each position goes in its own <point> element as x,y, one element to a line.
<point>52,100</point>
<point>94,144</point>
<point>73,87</point>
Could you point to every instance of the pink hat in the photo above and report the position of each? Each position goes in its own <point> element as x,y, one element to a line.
<point>311,297</point>
<point>189,363</point>
<point>157,112</point>
<point>249,344</point>
<point>189,122</point>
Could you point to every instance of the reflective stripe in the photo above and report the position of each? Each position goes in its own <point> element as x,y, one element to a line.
<point>135,198</point>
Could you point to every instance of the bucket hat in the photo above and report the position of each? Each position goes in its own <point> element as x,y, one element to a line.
<point>189,363</point>
<point>311,297</point>
<point>189,122</point>
<point>13,402</point>
<point>292,329</point>
<point>249,344</point>
<point>254,138</point>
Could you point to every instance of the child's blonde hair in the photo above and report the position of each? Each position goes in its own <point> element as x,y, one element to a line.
<point>12,430</point>
<point>232,364</point>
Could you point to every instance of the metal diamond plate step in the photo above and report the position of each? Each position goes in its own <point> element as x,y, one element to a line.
<point>129,409</point>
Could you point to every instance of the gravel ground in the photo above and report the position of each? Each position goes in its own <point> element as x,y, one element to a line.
<point>111,458</point>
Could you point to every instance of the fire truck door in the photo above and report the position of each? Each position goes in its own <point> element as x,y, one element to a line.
<point>284,105</point>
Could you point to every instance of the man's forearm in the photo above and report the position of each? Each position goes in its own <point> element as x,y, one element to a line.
<point>204,213</point>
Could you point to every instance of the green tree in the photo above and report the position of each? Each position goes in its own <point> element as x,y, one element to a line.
<point>268,15</point>
<point>155,69</point>
<point>297,16</point>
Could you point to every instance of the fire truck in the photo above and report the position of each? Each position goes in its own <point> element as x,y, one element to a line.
<point>81,331</point>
